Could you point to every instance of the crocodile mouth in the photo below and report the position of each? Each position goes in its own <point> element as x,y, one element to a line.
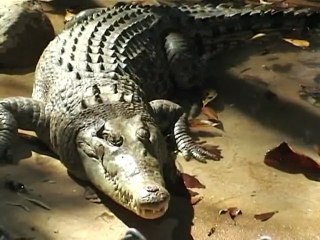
<point>143,194</point>
<point>155,208</point>
<point>152,213</point>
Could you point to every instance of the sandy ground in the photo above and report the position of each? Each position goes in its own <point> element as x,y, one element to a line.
<point>259,106</point>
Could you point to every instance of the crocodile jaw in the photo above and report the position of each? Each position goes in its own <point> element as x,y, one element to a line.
<point>142,195</point>
<point>122,154</point>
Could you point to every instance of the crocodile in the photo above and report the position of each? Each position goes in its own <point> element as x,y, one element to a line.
<point>102,93</point>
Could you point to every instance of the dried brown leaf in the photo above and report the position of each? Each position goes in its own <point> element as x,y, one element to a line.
<point>196,199</point>
<point>192,193</point>
<point>210,113</point>
<point>211,231</point>
<point>191,181</point>
<point>214,150</point>
<point>233,212</point>
<point>297,42</point>
<point>223,211</point>
<point>194,122</point>
<point>284,158</point>
<point>264,216</point>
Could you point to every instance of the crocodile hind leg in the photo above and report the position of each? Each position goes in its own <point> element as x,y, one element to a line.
<point>185,65</point>
<point>186,69</point>
<point>19,112</point>
<point>172,114</point>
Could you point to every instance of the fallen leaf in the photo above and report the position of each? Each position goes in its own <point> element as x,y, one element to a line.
<point>233,212</point>
<point>223,211</point>
<point>214,150</point>
<point>258,35</point>
<point>210,113</point>
<point>264,216</point>
<point>196,123</point>
<point>38,203</point>
<point>196,199</point>
<point>297,42</point>
<point>211,231</point>
<point>284,158</point>
<point>192,193</point>
<point>191,181</point>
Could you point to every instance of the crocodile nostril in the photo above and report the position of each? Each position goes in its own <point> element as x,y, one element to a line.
<point>152,189</point>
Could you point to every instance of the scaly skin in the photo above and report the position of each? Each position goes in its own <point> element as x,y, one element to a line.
<point>100,90</point>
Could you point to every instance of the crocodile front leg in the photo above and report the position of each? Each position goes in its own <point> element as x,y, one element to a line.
<point>168,113</point>
<point>19,112</point>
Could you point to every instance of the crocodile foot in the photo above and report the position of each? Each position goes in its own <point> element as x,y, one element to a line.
<point>133,234</point>
<point>187,146</point>
<point>195,151</point>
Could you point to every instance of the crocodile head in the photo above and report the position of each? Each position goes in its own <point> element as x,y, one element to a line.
<point>122,155</point>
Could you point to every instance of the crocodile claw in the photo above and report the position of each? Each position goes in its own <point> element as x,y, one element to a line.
<point>186,144</point>
<point>133,234</point>
<point>199,153</point>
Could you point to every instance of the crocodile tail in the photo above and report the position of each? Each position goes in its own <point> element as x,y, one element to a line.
<point>218,27</point>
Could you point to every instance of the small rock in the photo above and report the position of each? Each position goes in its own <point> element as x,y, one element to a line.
<point>265,237</point>
<point>24,33</point>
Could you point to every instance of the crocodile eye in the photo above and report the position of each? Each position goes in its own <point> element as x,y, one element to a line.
<point>143,134</point>
<point>113,138</point>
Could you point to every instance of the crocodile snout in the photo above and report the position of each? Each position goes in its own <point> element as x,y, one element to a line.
<point>152,201</point>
